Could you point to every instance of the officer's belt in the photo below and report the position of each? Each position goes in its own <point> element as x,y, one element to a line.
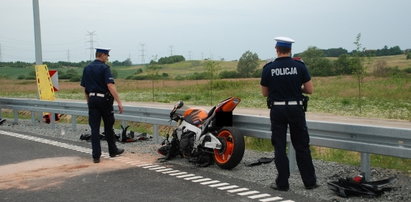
<point>287,103</point>
<point>96,94</point>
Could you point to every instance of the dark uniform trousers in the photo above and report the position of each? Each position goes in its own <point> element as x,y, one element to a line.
<point>101,108</point>
<point>294,116</point>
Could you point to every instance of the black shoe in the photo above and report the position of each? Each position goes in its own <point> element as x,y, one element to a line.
<point>275,187</point>
<point>119,151</point>
<point>312,186</point>
<point>96,160</point>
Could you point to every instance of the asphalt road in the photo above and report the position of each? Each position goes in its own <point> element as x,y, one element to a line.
<point>38,169</point>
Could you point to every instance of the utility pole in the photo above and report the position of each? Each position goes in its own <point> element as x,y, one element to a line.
<point>68,55</point>
<point>37,34</point>
<point>189,55</point>
<point>142,53</point>
<point>171,50</point>
<point>91,41</point>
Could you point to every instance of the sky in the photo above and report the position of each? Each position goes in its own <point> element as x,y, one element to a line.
<point>143,30</point>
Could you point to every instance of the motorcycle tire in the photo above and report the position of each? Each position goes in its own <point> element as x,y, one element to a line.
<point>232,151</point>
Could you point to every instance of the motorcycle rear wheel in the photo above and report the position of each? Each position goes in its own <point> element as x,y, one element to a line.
<point>232,151</point>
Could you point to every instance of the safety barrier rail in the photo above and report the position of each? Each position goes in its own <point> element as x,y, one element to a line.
<point>360,138</point>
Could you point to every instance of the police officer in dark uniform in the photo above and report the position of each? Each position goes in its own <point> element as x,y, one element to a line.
<point>101,92</point>
<point>284,81</point>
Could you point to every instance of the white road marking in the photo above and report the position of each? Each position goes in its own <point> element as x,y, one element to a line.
<point>157,168</point>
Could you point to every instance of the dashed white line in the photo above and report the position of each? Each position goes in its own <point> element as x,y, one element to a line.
<point>183,176</point>
<point>180,173</point>
<point>248,193</point>
<point>259,196</point>
<point>238,190</point>
<point>219,185</point>
<point>228,187</point>
<point>193,178</point>
<point>157,168</point>
<point>210,182</point>
<point>163,170</point>
<point>150,166</point>
<point>171,171</point>
<point>271,199</point>
<point>202,180</point>
<point>144,164</point>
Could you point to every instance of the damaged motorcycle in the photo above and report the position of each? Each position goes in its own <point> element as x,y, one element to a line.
<point>205,138</point>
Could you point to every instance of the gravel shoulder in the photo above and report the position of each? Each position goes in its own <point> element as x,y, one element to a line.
<point>263,174</point>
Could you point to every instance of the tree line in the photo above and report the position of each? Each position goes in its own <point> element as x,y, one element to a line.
<point>316,60</point>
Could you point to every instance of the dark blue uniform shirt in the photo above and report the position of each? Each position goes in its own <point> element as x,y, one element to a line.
<point>284,77</point>
<point>96,76</point>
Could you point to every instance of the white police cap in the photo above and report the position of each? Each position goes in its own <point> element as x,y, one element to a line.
<point>284,41</point>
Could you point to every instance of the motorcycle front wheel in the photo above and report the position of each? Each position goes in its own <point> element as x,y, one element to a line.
<point>232,151</point>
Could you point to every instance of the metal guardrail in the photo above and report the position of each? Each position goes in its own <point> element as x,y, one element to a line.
<point>360,138</point>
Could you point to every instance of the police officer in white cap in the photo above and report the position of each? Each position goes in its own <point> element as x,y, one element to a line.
<point>100,92</point>
<point>283,82</point>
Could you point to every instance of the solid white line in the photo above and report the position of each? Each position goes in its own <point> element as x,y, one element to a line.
<point>258,196</point>
<point>271,199</point>
<point>228,187</point>
<point>248,193</point>
<point>238,190</point>
<point>288,201</point>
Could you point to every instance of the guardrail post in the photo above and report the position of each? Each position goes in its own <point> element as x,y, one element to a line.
<point>156,134</point>
<point>33,116</point>
<point>1,113</point>
<point>53,120</point>
<point>16,116</point>
<point>365,164</point>
<point>74,122</point>
<point>291,157</point>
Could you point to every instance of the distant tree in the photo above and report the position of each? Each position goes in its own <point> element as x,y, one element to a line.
<point>171,59</point>
<point>247,64</point>
<point>126,62</point>
<point>229,74</point>
<point>316,62</point>
<point>335,52</point>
